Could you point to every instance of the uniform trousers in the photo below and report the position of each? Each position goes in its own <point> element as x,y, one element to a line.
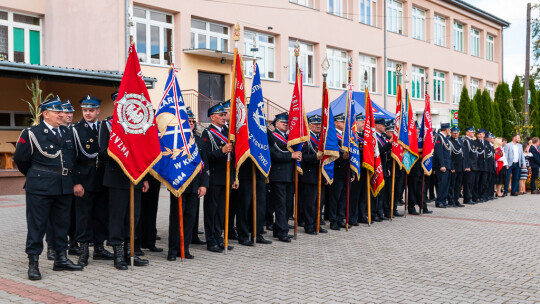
<point>414,185</point>
<point>92,216</point>
<point>244,210</point>
<point>387,201</point>
<point>469,178</point>
<point>338,201</point>
<point>443,184</point>
<point>190,204</point>
<point>456,181</point>
<point>310,195</point>
<point>354,200</point>
<point>214,215</point>
<point>119,214</point>
<point>149,208</point>
<point>279,192</point>
<point>481,185</point>
<point>49,236</point>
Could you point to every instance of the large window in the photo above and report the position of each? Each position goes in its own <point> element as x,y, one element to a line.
<point>438,86</point>
<point>419,24</point>
<point>490,43</point>
<point>154,36</point>
<point>475,42</point>
<point>305,61</point>
<point>418,82</point>
<point>458,37</point>
<point>475,86</point>
<point>458,87</point>
<point>267,52</point>
<point>308,3</point>
<point>368,12</point>
<point>439,30</point>
<point>490,87</point>
<point>391,78</point>
<point>14,120</point>
<point>336,7</point>
<point>368,64</point>
<point>394,16</point>
<point>20,38</point>
<point>208,35</point>
<point>337,74</point>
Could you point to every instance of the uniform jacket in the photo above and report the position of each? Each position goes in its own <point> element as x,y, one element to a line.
<point>470,152</point>
<point>282,169</point>
<point>385,146</point>
<point>203,178</point>
<point>482,157</point>
<point>217,160</point>
<point>89,167</point>
<point>534,160</point>
<point>42,159</point>
<point>490,157</point>
<point>310,163</point>
<point>442,153</point>
<point>340,164</point>
<point>459,161</point>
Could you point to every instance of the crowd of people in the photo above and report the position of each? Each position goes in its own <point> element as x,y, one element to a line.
<point>79,197</point>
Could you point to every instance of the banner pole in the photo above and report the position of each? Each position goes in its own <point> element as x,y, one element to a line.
<point>368,201</point>
<point>319,199</point>
<point>422,199</point>
<point>254,198</point>
<point>296,54</point>
<point>406,195</point>
<point>181,224</point>
<point>132,223</point>
<point>348,119</point>
<point>393,187</point>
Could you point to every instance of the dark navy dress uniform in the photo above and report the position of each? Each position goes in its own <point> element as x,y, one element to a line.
<point>459,163</point>
<point>337,203</point>
<point>482,174</point>
<point>469,177</point>
<point>442,158</point>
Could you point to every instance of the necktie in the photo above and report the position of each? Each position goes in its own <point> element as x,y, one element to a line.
<point>57,134</point>
<point>94,128</point>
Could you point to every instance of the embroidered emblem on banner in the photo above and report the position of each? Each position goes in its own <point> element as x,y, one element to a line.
<point>135,113</point>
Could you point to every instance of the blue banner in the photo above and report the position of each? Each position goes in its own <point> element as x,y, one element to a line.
<point>256,119</point>
<point>331,149</point>
<point>350,143</point>
<point>180,161</point>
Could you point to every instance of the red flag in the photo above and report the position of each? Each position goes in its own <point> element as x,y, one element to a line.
<point>298,125</point>
<point>371,159</point>
<point>134,141</point>
<point>238,131</point>
<point>397,149</point>
<point>413,136</point>
<point>427,142</point>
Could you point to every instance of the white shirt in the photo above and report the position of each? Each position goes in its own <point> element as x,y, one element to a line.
<point>220,129</point>
<point>516,153</point>
<point>51,128</point>
<point>91,124</point>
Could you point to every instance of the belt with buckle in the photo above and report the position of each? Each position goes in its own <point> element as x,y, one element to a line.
<point>62,171</point>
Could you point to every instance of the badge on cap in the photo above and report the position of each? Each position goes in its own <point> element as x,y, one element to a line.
<point>91,140</point>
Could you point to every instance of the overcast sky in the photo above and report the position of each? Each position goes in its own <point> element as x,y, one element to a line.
<point>515,12</point>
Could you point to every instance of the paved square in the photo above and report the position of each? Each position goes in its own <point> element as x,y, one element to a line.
<point>487,253</point>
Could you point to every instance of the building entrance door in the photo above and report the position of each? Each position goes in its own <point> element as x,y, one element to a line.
<point>212,86</point>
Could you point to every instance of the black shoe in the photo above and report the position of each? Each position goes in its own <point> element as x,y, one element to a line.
<point>426,211</point>
<point>384,218</point>
<point>197,241</point>
<point>262,240</point>
<point>138,251</point>
<point>245,242</point>
<point>155,249</point>
<point>291,227</point>
<point>85,254</point>
<point>451,205</point>
<point>469,203</point>
<point>363,220</point>
<point>413,212</point>
<point>215,248</point>
<point>136,260</point>
<point>119,261</point>
<point>100,253</point>
<point>285,239</point>
<point>33,267</point>
<point>311,231</point>
<point>334,226</point>
<point>354,224</point>
<point>171,257</point>
<point>222,246</point>
<point>376,218</point>
<point>50,254</point>
<point>158,238</point>
<point>233,235</point>
<point>189,256</point>
<point>438,206</point>
<point>74,248</point>
<point>457,204</point>
<point>341,225</point>
<point>301,224</point>
<point>322,222</point>
<point>397,214</point>
<point>322,230</point>
<point>270,227</point>
<point>63,263</point>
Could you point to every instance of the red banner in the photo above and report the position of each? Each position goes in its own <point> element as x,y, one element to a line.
<point>134,142</point>
<point>238,131</point>
<point>371,159</point>
<point>298,125</point>
<point>397,149</point>
<point>427,142</point>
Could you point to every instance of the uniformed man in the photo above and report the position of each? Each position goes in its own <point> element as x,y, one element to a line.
<point>482,174</point>
<point>390,125</point>
<point>414,185</point>
<point>233,202</point>
<point>459,163</point>
<point>310,177</point>
<point>358,192</point>
<point>491,167</point>
<point>190,202</point>
<point>281,175</point>
<point>381,208</point>
<point>469,178</point>
<point>45,155</point>
<point>442,163</point>
<point>91,197</point>
<point>119,207</point>
<point>337,202</point>
<point>214,143</point>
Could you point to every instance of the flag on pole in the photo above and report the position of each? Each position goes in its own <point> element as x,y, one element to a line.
<point>298,125</point>
<point>133,125</point>
<point>350,143</point>
<point>328,143</point>
<point>238,130</point>
<point>407,135</point>
<point>397,149</point>
<point>425,143</point>
<point>371,159</point>
<point>180,161</point>
<point>258,140</point>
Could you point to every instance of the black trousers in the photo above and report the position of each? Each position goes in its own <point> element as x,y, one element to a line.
<point>399,187</point>
<point>195,230</point>
<point>414,188</point>
<point>149,209</point>
<point>119,215</point>
<point>190,204</point>
<point>355,192</point>
<point>233,206</point>
<point>387,200</point>
<point>41,210</point>
<point>480,185</point>
<point>490,187</point>
<point>49,236</point>
<point>269,216</point>
<point>310,195</point>
<point>443,184</point>
<point>534,177</point>
<point>214,215</point>
<point>244,211</point>
<point>279,192</point>
<point>469,178</point>
<point>92,217</point>
<point>338,201</point>
<point>456,182</point>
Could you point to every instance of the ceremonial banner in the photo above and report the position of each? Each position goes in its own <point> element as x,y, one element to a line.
<point>180,161</point>
<point>134,141</point>
<point>298,125</point>
<point>371,156</point>
<point>397,149</point>
<point>350,143</point>
<point>425,142</point>
<point>258,140</point>
<point>238,130</point>
<point>328,144</point>
<point>407,135</point>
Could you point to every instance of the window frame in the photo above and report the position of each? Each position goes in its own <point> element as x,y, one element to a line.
<point>391,84</point>
<point>475,42</point>
<point>248,72</point>
<point>162,26</point>
<point>490,87</point>
<point>342,8</point>
<point>490,47</point>
<point>439,91</point>
<point>12,125</point>
<point>394,7</point>
<point>476,86</point>
<point>338,66</point>
<point>366,65</point>
<point>459,32</point>
<point>303,1</point>
<point>415,76</point>
<point>439,25</point>
<point>208,33</point>
<point>418,20</point>
<point>303,52</point>
<point>364,13</point>
<point>11,25</point>
<point>457,85</point>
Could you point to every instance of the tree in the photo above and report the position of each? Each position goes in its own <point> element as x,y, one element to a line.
<point>497,121</point>
<point>517,95</point>
<point>503,100</point>
<point>534,108</point>
<point>475,117</point>
<point>485,111</point>
<point>464,111</point>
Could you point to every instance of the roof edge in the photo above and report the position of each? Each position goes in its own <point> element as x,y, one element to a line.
<point>473,9</point>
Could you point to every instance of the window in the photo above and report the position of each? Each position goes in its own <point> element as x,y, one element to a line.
<point>458,87</point>
<point>369,64</point>
<point>438,86</point>
<point>439,30</point>
<point>266,51</point>
<point>15,120</point>
<point>419,23</point>
<point>208,35</point>
<point>418,82</point>
<point>337,74</point>
<point>20,38</point>
<point>475,42</point>
<point>490,87</point>
<point>154,36</point>
<point>335,7</point>
<point>394,16</point>
<point>391,78</point>
<point>308,3</point>
<point>368,12</point>
<point>490,42</point>
<point>305,61</point>
<point>458,37</point>
<point>475,86</point>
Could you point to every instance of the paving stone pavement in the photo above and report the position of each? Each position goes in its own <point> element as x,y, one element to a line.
<point>487,253</point>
